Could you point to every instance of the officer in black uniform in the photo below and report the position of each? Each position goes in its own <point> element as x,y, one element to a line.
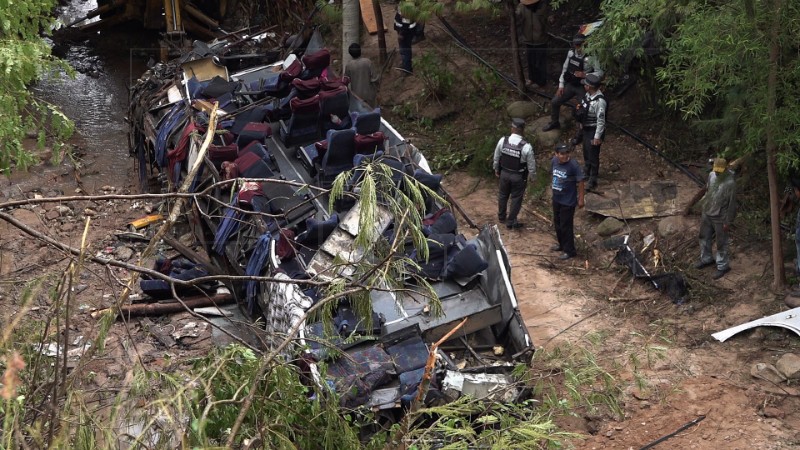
<point>514,164</point>
<point>577,65</point>
<point>591,114</point>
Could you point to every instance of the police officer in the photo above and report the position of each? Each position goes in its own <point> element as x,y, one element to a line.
<point>577,65</point>
<point>514,165</point>
<point>591,113</point>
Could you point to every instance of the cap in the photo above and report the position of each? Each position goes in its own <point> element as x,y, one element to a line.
<point>579,39</point>
<point>529,2</point>
<point>518,123</point>
<point>720,164</point>
<point>563,148</point>
<point>591,80</point>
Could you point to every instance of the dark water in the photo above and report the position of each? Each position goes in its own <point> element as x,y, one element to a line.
<point>96,99</point>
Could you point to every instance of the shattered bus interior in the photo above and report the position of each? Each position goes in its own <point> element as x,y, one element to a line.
<point>285,132</point>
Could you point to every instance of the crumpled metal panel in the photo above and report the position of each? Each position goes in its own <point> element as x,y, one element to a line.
<point>788,319</point>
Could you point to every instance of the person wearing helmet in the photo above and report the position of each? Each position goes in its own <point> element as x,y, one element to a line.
<point>719,210</point>
<point>577,65</point>
<point>591,112</point>
<point>568,191</point>
<point>514,164</point>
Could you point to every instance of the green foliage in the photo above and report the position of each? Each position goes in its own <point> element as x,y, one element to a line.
<point>482,150</point>
<point>420,10</point>
<point>585,383</point>
<point>25,58</point>
<point>468,423</point>
<point>715,64</point>
<point>381,198</point>
<point>436,77</point>
<point>282,415</point>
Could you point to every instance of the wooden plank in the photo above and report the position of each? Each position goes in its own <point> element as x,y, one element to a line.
<point>368,16</point>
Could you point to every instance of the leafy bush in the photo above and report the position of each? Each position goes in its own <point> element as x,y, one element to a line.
<point>435,75</point>
<point>25,58</point>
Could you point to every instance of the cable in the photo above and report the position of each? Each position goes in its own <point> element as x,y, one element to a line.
<point>673,434</point>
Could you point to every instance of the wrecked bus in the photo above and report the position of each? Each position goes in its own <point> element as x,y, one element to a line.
<point>287,136</point>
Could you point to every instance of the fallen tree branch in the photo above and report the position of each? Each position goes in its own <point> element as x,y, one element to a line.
<point>151,309</point>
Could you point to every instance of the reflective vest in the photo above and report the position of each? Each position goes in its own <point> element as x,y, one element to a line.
<point>511,156</point>
<point>589,113</point>
<point>575,65</point>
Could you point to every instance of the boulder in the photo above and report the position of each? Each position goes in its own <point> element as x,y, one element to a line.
<point>523,109</point>
<point>609,226</point>
<point>546,140</point>
<point>671,225</point>
<point>789,366</point>
<point>767,372</point>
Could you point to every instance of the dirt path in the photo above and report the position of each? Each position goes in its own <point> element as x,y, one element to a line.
<point>695,378</point>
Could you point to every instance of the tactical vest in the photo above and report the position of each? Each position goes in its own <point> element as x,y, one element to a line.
<point>511,156</point>
<point>589,119</point>
<point>575,65</point>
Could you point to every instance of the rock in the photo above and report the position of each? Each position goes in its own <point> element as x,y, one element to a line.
<point>52,215</point>
<point>772,412</point>
<point>123,253</point>
<point>89,212</point>
<point>64,210</point>
<point>108,188</point>
<point>613,167</point>
<point>67,227</point>
<point>767,372</point>
<point>523,109</point>
<point>78,289</point>
<point>792,301</point>
<point>609,226</point>
<point>27,217</point>
<point>547,140</point>
<point>789,366</point>
<point>669,226</point>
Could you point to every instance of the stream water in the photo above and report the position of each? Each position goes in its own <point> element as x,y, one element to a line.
<point>96,99</point>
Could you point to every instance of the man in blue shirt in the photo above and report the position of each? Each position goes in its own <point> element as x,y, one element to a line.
<point>568,190</point>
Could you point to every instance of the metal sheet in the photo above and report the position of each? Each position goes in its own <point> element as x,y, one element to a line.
<point>204,69</point>
<point>788,319</point>
<point>641,199</point>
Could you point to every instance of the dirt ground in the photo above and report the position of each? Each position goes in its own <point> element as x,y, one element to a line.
<point>694,378</point>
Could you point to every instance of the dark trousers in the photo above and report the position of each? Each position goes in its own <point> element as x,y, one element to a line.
<point>570,91</point>
<point>512,184</point>
<point>711,228</point>
<point>563,216</point>
<point>404,42</point>
<point>537,63</point>
<point>591,156</point>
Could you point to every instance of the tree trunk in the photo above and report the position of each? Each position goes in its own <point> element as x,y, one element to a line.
<point>512,20</point>
<point>381,34</point>
<point>779,278</point>
<point>351,16</point>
